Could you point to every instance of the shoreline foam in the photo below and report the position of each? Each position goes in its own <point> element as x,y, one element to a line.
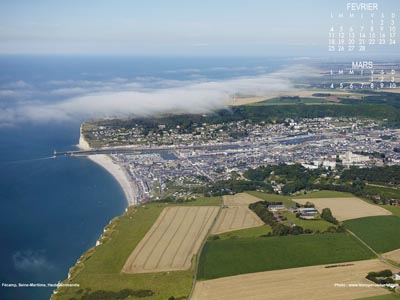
<point>106,162</point>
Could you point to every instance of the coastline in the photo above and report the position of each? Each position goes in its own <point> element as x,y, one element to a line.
<point>106,162</point>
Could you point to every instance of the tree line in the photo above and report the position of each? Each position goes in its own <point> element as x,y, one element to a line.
<point>256,114</point>
<point>261,210</point>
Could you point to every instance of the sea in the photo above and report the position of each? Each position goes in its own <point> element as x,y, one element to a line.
<point>53,209</point>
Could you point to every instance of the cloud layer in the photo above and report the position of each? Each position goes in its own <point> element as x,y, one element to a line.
<point>141,97</point>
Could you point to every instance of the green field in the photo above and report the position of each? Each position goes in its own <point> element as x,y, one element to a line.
<point>314,225</point>
<point>246,233</point>
<point>393,209</point>
<point>292,101</point>
<point>381,233</point>
<point>273,197</point>
<point>290,200</point>
<point>325,194</point>
<point>222,258</point>
<point>384,192</point>
<point>202,201</point>
<point>100,267</point>
<point>383,297</point>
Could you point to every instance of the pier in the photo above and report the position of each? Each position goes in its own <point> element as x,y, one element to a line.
<point>138,150</point>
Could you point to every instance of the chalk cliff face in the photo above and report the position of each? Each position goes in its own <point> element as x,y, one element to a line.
<point>83,144</point>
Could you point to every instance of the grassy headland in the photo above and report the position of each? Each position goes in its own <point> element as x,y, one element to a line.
<point>98,271</point>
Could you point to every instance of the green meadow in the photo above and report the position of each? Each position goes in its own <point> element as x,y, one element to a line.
<point>381,233</point>
<point>229,257</point>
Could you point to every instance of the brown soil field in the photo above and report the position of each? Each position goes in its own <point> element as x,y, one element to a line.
<point>236,217</point>
<point>241,199</point>
<point>308,283</point>
<point>172,240</point>
<point>346,208</point>
<point>393,255</point>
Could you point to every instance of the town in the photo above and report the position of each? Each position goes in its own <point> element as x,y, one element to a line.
<point>328,143</point>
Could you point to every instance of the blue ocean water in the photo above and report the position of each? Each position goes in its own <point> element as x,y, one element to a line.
<point>52,210</point>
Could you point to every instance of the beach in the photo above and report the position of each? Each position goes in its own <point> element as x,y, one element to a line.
<point>118,172</point>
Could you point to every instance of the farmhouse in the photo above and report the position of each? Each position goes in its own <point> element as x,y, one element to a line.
<point>308,216</point>
<point>276,207</point>
<point>307,210</point>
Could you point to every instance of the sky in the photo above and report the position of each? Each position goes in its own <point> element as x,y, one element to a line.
<point>173,27</point>
<point>89,30</point>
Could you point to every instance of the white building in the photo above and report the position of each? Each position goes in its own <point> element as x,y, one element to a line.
<point>396,276</point>
<point>329,164</point>
<point>307,210</point>
<point>276,207</point>
<point>310,167</point>
<point>350,158</point>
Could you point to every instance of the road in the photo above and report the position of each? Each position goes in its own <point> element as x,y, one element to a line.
<point>379,256</point>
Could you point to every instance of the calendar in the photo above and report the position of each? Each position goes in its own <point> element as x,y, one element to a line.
<point>355,31</point>
<point>360,27</point>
